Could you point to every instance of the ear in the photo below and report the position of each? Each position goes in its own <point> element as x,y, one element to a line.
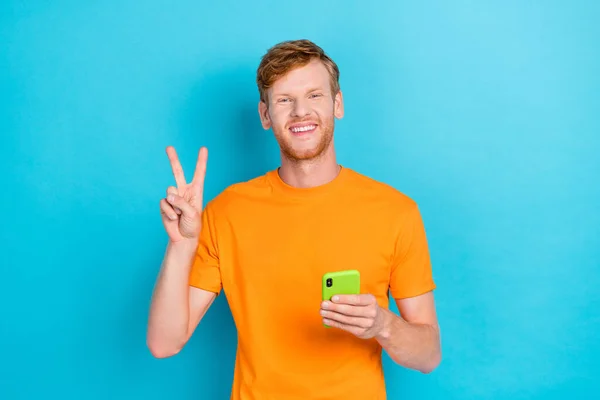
<point>338,105</point>
<point>263,111</point>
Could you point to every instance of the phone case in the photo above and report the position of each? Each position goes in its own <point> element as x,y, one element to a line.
<point>341,282</point>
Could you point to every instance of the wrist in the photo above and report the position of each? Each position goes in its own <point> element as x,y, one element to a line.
<point>183,247</point>
<point>387,322</point>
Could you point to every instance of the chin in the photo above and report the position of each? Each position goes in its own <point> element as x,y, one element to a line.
<point>303,149</point>
<point>303,155</point>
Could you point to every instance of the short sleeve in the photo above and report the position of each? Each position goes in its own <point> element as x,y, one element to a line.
<point>411,272</point>
<point>205,272</point>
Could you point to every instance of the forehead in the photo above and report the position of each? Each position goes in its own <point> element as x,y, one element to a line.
<point>311,76</point>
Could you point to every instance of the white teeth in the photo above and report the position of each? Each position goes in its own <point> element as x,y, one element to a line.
<point>304,128</point>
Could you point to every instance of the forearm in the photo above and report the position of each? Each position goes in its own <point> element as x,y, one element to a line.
<point>415,346</point>
<point>169,310</point>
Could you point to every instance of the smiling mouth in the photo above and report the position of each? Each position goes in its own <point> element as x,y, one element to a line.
<point>300,130</point>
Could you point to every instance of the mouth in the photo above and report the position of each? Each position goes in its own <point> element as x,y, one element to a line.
<point>303,129</point>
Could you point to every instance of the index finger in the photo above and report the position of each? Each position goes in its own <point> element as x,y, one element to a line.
<point>353,299</point>
<point>176,167</point>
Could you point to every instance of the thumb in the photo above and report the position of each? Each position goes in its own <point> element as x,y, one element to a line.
<point>179,202</point>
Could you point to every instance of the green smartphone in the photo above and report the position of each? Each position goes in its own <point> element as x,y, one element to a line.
<point>340,282</point>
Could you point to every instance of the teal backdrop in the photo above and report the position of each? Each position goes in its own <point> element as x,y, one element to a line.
<point>486,113</point>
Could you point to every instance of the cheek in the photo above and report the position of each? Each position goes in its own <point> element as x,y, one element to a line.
<point>324,109</point>
<point>279,119</point>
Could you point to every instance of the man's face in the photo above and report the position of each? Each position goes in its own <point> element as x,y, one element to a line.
<point>301,111</point>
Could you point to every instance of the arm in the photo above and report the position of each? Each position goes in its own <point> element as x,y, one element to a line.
<point>176,308</point>
<point>412,340</point>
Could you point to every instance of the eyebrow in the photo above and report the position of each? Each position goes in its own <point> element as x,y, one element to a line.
<point>315,89</point>
<point>308,91</point>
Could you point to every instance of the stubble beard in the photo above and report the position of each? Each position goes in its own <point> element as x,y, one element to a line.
<point>285,141</point>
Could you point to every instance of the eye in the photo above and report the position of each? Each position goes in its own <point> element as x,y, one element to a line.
<point>315,95</point>
<point>284,100</point>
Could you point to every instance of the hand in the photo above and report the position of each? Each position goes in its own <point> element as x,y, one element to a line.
<point>182,207</point>
<point>358,314</point>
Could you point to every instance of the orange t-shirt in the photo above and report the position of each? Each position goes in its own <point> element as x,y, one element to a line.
<point>268,244</point>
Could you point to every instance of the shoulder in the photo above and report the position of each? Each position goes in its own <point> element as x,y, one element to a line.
<point>240,193</point>
<point>369,189</point>
<point>387,204</point>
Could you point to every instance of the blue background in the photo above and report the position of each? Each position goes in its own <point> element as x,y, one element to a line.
<point>486,113</point>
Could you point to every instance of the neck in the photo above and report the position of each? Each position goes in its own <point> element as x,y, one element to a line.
<point>310,173</point>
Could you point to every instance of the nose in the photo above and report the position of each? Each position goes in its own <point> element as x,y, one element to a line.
<point>301,108</point>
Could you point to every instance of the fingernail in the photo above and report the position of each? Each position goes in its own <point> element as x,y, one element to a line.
<point>325,304</point>
<point>170,198</point>
<point>173,217</point>
<point>335,298</point>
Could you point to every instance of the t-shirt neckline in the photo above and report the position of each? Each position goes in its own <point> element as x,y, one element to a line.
<point>308,192</point>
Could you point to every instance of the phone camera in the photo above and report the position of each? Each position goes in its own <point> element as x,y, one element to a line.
<point>329,282</point>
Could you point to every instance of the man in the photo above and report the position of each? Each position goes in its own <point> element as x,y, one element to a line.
<point>267,243</point>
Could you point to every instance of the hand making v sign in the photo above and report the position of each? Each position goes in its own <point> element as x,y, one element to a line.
<point>182,207</point>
